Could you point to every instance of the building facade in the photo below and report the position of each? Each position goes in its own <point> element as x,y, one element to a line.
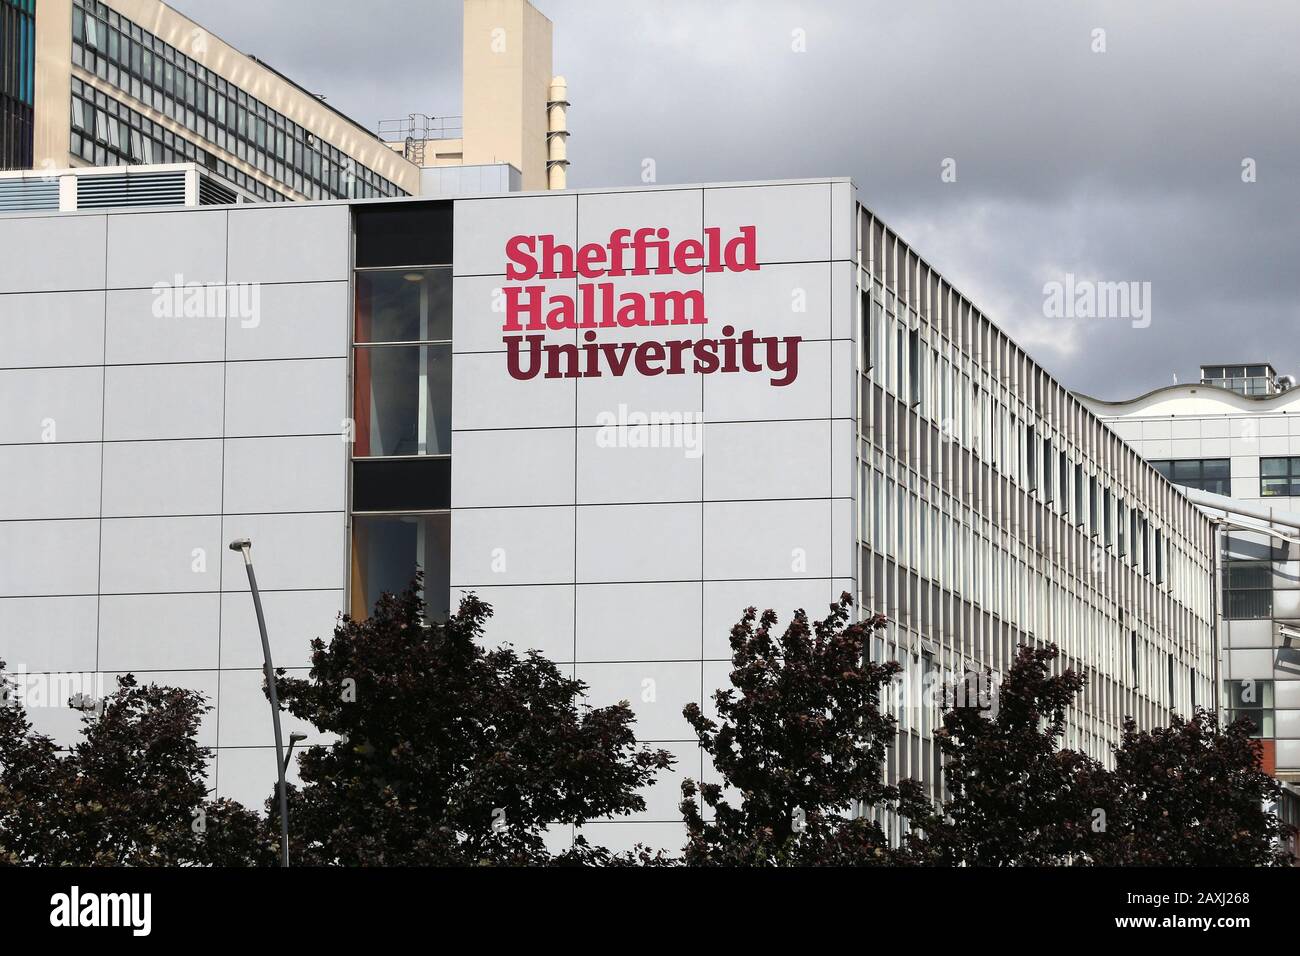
<point>134,82</point>
<point>17,81</point>
<point>1236,434</point>
<point>514,110</point>
<point>620,416</point>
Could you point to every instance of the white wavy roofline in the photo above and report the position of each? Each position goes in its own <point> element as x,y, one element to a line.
<point>1174,400</point>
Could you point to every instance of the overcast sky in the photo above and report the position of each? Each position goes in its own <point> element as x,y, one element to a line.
<point>1123,165</point>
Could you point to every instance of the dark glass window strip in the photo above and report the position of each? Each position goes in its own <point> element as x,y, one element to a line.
<point>17,82</point>
<point>1205,474</point>
<point>401,484</point>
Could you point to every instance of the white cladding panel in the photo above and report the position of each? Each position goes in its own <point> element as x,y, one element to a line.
<point>644,510</point>
<point>169,380</point>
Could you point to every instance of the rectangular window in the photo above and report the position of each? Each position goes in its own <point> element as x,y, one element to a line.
<point>900,361</point>
<point>1048,491</point>
<point>1065,483</point>
<point>1094,507</point>
<point>1253,701</point>
<point>914,366</point>
<point>387,550</point>
<point>1078,494</point>
<point>402,400</point>
<point>1279,477</point>
<point>1031,459</point>
<point>1204,474</point>
<point>865,331</point>
<point>1248,590</point>
<point>404,305</point>
<point>1144,554</point>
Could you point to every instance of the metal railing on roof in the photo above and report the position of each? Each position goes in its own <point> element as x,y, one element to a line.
<point>418,128</point>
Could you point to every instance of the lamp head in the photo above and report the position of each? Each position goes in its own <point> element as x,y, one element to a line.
<point>239,544</point>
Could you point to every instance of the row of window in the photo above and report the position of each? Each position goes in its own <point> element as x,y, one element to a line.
<point>950,409</point>
<point>1204,474</point>
<point>942,514</point>
<point>135,61</point>
<point>18,50</point>
<point>16,134</point>
<point>900,359</point>
<point>1278,477</point>
<point>108,133</point>
<point>17,82</point>
<point>1234,371</point>
<point>964,374</point>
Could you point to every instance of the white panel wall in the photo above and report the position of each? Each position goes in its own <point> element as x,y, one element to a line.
<point>631,561</point>
<point>137,439</point>
<point>141,441</point>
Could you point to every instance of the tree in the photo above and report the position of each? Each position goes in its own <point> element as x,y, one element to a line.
<point>449,753</point>
<point>131,792</point>
<point>801,742</point>
<point>1015,797</point>
<point>1191,794</point>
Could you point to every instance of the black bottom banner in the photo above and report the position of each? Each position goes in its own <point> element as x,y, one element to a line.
<point>292,906</point>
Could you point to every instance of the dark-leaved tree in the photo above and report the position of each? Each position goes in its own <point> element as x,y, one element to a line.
<point>449,753</point>
<point>1015,796</point>
<point>1191,794</point>
<point>131,792</point>
<point>1188,794</point>
<point>799,745</point>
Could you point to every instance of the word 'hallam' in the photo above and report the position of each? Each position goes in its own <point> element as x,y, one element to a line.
<point>600,305</point>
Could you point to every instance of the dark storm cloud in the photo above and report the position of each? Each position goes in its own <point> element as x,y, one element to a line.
<point>1122,165</point>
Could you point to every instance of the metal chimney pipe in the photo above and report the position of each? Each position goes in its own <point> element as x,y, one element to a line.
<point>557,134</point>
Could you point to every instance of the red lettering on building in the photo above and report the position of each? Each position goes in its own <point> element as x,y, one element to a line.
<point>534,309</point>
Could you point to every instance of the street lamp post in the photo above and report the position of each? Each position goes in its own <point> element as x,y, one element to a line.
<point>245,547</point>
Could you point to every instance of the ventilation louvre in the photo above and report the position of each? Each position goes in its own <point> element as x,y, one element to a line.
<point>131,189</point>
<point>214,194</point>
<point>18,194</point>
